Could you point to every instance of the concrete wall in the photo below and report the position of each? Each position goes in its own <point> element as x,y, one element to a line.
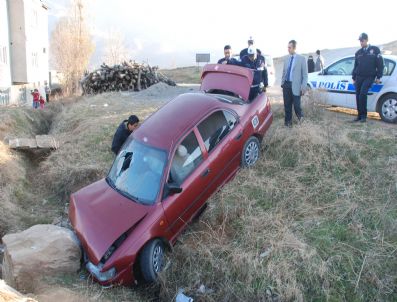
<point>16,12</point>
<point>28,35</point>
<point>5,69</point>
<point>29,41</point>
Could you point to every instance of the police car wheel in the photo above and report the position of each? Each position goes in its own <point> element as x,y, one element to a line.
<point>388,108</point>
<point>250,154</point>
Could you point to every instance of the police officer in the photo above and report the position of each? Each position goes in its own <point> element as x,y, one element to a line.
<point>256,63</point>
<point>368,68</point>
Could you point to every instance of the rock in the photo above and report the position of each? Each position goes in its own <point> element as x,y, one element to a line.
<point>22,143</point>
<point>46,142</point>
<point>8,294</point>
<point>39,142</point>
<point>42,251</point>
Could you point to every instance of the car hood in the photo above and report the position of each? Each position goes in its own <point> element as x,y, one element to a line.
<point>100,215</point>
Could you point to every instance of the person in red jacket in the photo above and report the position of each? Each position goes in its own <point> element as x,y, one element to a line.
<point>36,98</point>
<point>42,101</point>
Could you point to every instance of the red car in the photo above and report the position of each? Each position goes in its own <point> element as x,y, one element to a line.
<point>165,172</point>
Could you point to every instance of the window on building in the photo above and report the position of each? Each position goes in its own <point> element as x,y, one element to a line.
<point>35,62</point>
<point>35,18</point>
<point>3,55</point>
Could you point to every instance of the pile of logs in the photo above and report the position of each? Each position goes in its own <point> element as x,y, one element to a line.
<point>126,76</point>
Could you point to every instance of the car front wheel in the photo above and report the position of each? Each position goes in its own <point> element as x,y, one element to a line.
<point>388,108</point>
<point>250,153</point>
<point>151,260</point>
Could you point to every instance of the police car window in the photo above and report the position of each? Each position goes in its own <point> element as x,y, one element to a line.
<point>215,127</point>
<point>187,157</point>
<point>389,67</point>
<point>343,67</point>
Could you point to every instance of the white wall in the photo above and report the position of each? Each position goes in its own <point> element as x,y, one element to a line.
<point>36,26</point>
<point>5,65</point>
<point>5,71</point>
<point>17,40</point>
<point>29,41</point>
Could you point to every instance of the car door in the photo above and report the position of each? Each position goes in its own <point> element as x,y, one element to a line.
<point>189,171</point>
<point>375,88</point>
<point>336,81</point>
<point>221,134</point>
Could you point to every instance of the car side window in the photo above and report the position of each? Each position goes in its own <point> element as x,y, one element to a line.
<point>388,67</point>
<point>343,67</point>
<point>215,127</point>
<point>187,157</point>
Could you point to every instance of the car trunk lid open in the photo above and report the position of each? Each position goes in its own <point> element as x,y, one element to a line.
<point>235,79</point>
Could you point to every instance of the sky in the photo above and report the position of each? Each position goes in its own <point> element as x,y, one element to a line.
<point>169,33</point>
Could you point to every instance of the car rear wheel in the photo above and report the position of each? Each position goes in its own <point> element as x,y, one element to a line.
<point>250,153</point>
<point>151,260</point>
<point>388,108</point>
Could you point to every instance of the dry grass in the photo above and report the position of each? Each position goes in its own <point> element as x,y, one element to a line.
<point>16,192</point>
<point>314,220</point>
<point>190,74</point>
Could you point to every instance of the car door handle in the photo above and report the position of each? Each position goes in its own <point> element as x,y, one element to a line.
<point>238,136</point>
<point>205,173</point>
<point>344,81</point>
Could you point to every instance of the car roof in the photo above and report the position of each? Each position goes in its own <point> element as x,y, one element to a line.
<point>165,127</point>
<point>390,57</point>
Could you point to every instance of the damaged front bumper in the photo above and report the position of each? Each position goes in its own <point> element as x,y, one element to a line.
<point>96,271</point>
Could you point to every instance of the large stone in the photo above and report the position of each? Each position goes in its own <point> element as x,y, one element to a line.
<point>22,143</point>
<point>40,252</point>
<point>8,294</point>
<point>39,142</point>
<point>46,142</point>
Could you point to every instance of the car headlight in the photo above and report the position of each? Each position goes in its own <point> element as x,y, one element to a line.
<point>101,276</point>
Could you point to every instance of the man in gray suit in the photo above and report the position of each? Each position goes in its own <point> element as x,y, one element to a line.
<point>294,83</point>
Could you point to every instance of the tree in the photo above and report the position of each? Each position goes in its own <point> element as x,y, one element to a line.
<point>72,46</point>
<point>115,51</point>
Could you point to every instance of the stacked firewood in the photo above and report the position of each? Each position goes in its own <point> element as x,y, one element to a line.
<point>125,76</point>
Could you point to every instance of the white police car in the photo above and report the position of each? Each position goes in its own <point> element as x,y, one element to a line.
<point>337,83</point>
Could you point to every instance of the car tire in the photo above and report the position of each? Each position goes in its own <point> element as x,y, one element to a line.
<point>250,154</point>
<point>388,108</point>
<point>151,260</point>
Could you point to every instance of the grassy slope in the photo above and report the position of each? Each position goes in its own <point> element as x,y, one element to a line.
<point>316,219</point>
<point>320,208</point>
<point>189,75</point>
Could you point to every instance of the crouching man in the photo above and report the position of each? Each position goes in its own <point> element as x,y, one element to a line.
<point>123,131</point>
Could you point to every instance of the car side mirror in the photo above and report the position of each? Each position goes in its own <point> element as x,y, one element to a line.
<point>174,189</point>
<point>171,189</point>
<point>323,72</point>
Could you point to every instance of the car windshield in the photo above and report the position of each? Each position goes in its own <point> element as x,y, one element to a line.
<point>137,172</point>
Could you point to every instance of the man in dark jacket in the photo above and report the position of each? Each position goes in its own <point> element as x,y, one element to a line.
<point>123,131</point>
<point>228,59</point>
<point>368,68</point>
<point>310,64</point>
